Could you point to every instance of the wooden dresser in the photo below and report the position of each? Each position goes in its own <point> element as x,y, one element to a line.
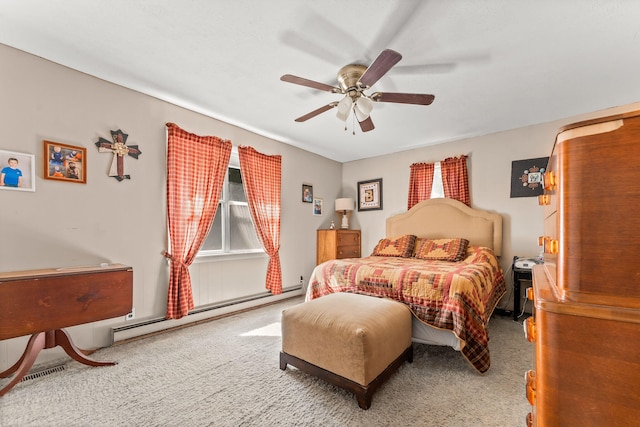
<point>586,295</point>
<point>337,244</point>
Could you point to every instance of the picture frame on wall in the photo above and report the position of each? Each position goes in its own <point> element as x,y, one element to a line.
<point>527,177</point>
<point>17,171</point>
<point>317,207</point>
<point>370,195</point>
<point>63,162</point>
<point>307,193</point>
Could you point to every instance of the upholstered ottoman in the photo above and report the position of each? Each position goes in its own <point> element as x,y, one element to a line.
<point>352,341</point>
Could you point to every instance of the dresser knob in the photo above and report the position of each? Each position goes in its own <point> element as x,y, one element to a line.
<point>553,246</point>
<point>530,293</point>
<point>529,419</point>
<point>530,329</point>
<point>544,199</point>
<point>549,180</point>
<point>531,386</point>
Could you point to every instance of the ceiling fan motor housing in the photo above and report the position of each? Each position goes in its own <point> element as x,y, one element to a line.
<point>348,77</point>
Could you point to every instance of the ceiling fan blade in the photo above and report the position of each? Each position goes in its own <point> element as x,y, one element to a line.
<point>289,78</point>
<point>400,19</point>
<point>434,68</point>
<point>403,98</point>
<point>367,124</point>
<point>383,63</point>
<point>316,112</point>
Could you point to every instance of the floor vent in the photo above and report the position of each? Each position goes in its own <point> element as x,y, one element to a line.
<point>44,372</point>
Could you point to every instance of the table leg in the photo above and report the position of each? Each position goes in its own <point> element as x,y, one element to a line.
<point>38,342</point>
<point>63,340</point>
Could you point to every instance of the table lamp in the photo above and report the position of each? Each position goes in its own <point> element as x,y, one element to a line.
<point>344,205</point>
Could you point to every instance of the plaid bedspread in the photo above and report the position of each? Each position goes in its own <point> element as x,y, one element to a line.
<point>458,296</point>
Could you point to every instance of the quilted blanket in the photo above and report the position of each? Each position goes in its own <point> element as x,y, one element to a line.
<point>457,296</point>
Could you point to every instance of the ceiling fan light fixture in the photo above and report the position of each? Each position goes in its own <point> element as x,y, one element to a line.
<point>354,80</point>
<point>344,108</point>
<point>363,108</point>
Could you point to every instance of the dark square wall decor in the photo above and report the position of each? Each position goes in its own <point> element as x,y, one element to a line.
<point>527,177</point>
<point>370,195</point>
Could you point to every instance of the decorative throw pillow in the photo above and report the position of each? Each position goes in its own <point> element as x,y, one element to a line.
<point>398,246</point>
<point>443,249</point>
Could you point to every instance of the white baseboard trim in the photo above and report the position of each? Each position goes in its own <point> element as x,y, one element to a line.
<point>148,326</point>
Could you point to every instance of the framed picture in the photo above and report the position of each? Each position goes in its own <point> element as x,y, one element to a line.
<point>370,195</point>
<point>64,162</point>
<point>317,206</point>
<point>307,193</point>
<point>17,171</point>
<point>527,177</point>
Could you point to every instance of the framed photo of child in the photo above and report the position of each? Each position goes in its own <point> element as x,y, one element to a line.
<point>17,171</point>
<point>317,206</point>
<point>64,162</point>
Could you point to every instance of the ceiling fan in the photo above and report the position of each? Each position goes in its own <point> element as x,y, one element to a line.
<point>354,80</point>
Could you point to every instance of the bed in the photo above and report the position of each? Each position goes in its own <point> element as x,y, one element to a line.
<point>451,287</point>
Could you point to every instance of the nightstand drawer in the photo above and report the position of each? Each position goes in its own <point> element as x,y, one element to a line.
<point>348,238</point>
<point>352,251</point>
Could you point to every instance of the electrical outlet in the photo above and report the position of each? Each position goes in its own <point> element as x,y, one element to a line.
<point>301,280</point>
<point>131,315</point>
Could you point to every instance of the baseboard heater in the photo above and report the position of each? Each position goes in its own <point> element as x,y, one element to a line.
<point>149,326</point>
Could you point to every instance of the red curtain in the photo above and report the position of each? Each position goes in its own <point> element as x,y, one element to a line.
<point>455,179</point>
<point>261,175</point>
<point>420,183</point>
<point>196,167</point>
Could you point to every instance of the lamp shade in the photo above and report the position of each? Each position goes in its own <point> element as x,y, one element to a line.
<point>345,204</point>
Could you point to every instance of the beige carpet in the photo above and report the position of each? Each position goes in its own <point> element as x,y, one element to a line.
<point>226,373</point>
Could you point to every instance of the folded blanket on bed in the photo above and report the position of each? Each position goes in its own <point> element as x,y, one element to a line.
<point>457,296</point>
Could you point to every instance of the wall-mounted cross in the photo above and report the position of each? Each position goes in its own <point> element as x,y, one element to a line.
<point>120,149</point>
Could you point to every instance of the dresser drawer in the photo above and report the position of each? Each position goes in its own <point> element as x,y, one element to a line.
<point>346,238</point>
<point>348,251</point>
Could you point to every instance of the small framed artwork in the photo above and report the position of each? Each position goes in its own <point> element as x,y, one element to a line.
<point>527,177</point>
<point>370,195</point>
<point>17,171</point>
<point>64,162</point>
<point>317,206</point>
<point>307,193</point>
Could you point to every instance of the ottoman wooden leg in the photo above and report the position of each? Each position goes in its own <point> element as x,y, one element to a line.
<point>363,393</point>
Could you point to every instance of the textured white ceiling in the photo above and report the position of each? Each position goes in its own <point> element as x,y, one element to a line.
<point>493,65</point>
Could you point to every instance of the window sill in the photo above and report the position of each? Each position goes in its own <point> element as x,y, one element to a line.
<point>229,256</point>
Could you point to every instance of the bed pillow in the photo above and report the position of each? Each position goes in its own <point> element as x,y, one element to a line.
<point>398,246</point>
<point>442,249</point>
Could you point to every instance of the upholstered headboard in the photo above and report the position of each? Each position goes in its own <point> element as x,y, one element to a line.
<point>448,218</point>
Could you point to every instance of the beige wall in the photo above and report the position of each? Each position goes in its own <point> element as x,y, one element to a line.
<point>67,224</point>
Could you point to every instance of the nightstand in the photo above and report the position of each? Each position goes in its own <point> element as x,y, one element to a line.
<point>337,244</point>
<point>518,275</point>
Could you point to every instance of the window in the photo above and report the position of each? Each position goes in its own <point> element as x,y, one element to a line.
<point>232,230</point>
<point>437,189</point>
